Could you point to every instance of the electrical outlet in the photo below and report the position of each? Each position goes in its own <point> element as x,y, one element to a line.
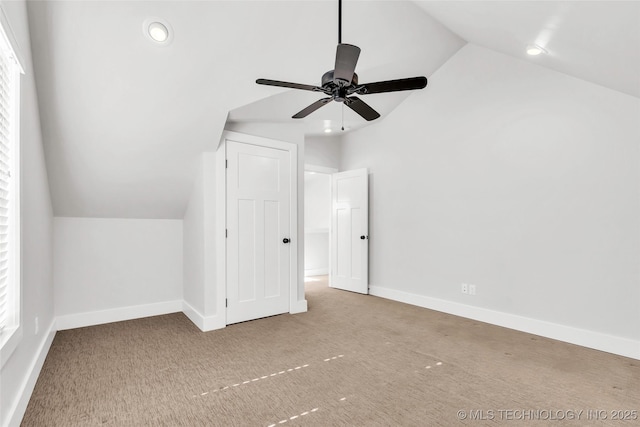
<point>472,289</point>
<point>465,288</point>
<point>37,326</point>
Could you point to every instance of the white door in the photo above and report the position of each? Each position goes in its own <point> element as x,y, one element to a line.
<point>258,231</point>
<point>349,231</point>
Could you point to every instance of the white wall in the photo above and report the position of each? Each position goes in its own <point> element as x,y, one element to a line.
<point>201,302</point>
<point>317,201</point>
<point>520,180</point>
<point>108,270</point>
<point>193,245</point>
<point>317,220</point>
<point>19,374</point>
<point>322,151</point>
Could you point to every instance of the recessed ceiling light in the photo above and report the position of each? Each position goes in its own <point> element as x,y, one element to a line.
<point>327,130</point>
<point>158,32</point>
<point>534,50</point>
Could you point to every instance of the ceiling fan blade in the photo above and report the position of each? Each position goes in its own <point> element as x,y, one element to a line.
<point>362,108</point>
<point>346,60</point>
<point>392,86</point>
<point>311,108</point>
<point>289,85</point>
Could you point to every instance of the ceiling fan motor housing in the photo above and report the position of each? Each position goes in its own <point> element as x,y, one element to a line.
<point>328,78</point>
<point>337,90</point>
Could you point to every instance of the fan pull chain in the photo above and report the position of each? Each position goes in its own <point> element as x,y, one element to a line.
<point>343,117</point>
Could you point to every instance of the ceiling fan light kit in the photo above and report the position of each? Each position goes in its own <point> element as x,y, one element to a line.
<point>341,84</point>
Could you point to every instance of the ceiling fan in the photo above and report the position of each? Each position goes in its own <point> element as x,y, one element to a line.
<point>341,83</point>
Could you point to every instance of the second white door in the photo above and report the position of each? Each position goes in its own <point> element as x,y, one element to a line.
<point>258,227</point>
<point>349,231</point>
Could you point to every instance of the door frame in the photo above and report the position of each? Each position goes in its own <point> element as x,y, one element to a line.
<point>296,305</point>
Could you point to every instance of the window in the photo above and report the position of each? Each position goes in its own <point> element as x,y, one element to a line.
<point>10,71</point>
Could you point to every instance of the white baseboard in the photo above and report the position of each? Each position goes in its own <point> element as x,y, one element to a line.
<point>211,323</point>
<point>316,272</point>
<point>299,307</point>
<point>204,323</point>
<point>193,315</point>
<point>596,340</point>
<point>16,413</point>
<point>79,320</point>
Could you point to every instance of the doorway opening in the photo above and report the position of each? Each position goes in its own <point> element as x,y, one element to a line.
<point>317,223</point>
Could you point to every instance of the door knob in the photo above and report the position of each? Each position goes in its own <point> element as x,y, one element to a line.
<point>285,240</point>
<point>362,237</point>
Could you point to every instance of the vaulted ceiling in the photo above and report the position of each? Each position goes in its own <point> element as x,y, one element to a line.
<point>125,119</point>
<point>598,41</point>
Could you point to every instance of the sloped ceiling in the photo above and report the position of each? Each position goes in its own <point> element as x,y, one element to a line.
<point>597,41</point>
<point>124,120</point>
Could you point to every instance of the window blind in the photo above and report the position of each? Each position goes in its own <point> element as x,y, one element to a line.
<point>7,114</point>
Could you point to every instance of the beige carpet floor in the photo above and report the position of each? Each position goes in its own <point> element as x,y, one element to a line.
<point>352,360</point>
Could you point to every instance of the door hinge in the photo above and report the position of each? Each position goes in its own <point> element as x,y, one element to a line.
<point>226,233</point>
<point>226,302</point>
<point>226,163</point>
